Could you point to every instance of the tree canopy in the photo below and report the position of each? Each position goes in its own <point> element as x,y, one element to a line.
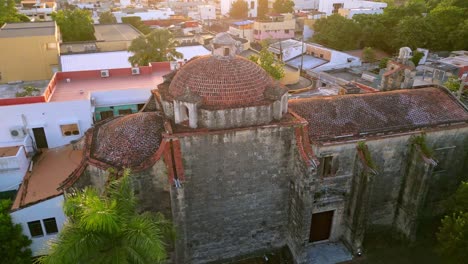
<point>268,61</point>
<point>159,45</point>
<point>262,8</point>
<point>107,228</point>
<point>368,54</point>
<point>436,25</point>
<point>107,18</point>
<point>337,32</point>
<point>453,232</point>
<point>283,6</point>
<point>75,25</point>
<point>239,9</point>
<point>9,13</point>
<point>14,246</point>
<point>136,22</point>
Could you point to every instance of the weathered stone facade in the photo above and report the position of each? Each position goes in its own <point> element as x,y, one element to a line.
<point>239,187</point>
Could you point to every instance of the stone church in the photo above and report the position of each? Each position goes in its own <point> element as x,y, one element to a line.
<point>240,169</point>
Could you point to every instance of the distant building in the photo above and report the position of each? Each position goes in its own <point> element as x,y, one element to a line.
<point>109,37</point>
<point>28,51</point>
<point>205,13</point>
<point>38,10</point>
<point>438,70</point>
<point>242,29</point>
<point>251,4</point>
<point>315,57</point>
<point>144,14</point>
<point>350,12</point>
<point>350,7</point>
<point>399,73</point>
<point>274,27</point>
<point>307,21</point>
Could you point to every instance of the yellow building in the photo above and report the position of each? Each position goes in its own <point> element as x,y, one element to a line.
<point>28,51</point>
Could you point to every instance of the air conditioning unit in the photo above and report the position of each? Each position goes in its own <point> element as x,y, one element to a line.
<point>17,132</point>
<point>105,73</point>
<point>135,71</point>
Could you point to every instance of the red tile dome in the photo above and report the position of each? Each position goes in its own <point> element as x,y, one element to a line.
<point>129,140</point>
<point>222,81</point>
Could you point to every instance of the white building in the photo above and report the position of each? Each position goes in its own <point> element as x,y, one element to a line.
<point>305,4</point>
<point>252,5</point>
<point>205,13</point>
<point>38,11</point>
<point>316,57</point>
<point>150,14</point>
<point>333,6</point>
<point>350,12</point>
<point>49,124</point>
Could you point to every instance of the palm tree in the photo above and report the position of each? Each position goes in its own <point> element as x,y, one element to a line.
<point>159,45</point>
<point>108,229</point>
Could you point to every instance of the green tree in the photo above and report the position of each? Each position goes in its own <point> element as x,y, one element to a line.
<point>159,45</point>
<point>368,54</point>
<point>262,8</point>
<point>414,32</point>
<point>107,18</point>
<point>383,63</point>
<point>28,90</point>
<point>337,32</point>
<point>9,13</point>
<point>75,25</point>
<point>268,61</point>
<point>417,56</point>
<point>14,246</point>
<point>239,9</point>
<point>453,83</point>
<point>373,31</point>
<point>108,229</point>
<point>283,6</point>
<point>453,233</point>
<point>445,21</point>
<point>136,23</point>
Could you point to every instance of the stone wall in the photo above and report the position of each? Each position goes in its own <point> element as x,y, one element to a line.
<point>235,194</point>
<point>151,186</point>
<point>395,169</point>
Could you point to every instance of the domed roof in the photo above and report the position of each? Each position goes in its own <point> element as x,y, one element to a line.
<point>222,81</point>
<point>129,140</point>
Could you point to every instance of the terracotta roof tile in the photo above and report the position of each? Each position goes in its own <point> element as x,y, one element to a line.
<point>332,117</point>
<point>129,140</point>
<point>230,82</point>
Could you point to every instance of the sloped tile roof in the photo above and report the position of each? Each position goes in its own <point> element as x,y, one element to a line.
<point>401,110</point>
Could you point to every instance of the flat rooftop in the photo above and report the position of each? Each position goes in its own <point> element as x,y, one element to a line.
<point>8,151</point>
<point>458,61</point>
<point>10,90</point>
<point>27,29</point>
<point>83,83</point>
<point>347,75</point>
<point>286,44</point>
<point>52,167</point>
<point>115,32</point>
<point>309,62</point>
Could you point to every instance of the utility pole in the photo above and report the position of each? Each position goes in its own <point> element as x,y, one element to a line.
<point>302,53</point>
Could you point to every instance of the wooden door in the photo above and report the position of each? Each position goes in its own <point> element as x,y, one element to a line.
<point>40,137</point>
<point>320,226</point>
